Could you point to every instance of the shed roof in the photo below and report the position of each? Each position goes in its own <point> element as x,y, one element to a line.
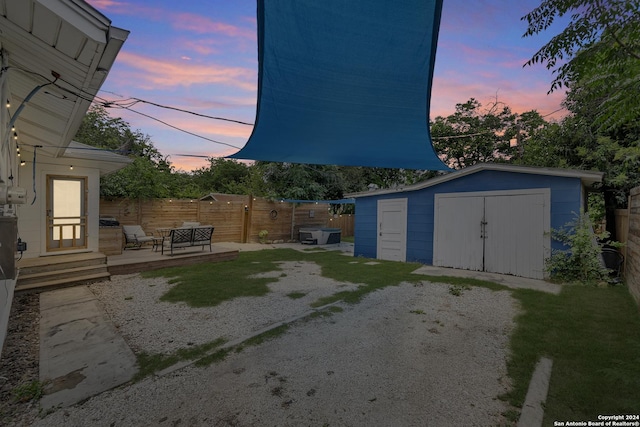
<point>588,178</point>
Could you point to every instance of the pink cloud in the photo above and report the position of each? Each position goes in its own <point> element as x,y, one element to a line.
<point>220,102</point>
<point>151,73</point>
<point>185,163</point>
<point>202,47</point>
<point>202,25</point>
<point>232,133</point>
<point>451,90</point>
<point>183,21</point>
<point>127,8</point>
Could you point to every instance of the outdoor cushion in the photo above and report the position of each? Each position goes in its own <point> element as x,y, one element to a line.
<point>134,234</point>
<point>190,224</point>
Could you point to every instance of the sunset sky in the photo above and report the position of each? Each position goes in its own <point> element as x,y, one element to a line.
<point>201,56</point>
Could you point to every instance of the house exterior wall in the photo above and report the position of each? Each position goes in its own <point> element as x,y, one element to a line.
<point>32,219</point>
<point>566,200</point>
<point>7,164</point>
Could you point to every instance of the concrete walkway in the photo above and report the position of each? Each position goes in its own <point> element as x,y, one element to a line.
<point>513,282</point>
<point>81,353</point>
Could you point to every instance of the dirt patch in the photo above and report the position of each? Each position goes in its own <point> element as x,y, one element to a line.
<point>404,355</point>
<point>20,363</point>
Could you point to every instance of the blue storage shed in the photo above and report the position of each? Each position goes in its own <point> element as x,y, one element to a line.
<point>487,217</point>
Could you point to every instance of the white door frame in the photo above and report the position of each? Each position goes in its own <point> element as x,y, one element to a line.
<point>392,229</point>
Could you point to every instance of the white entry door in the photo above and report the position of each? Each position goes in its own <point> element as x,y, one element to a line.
<point>66,213</point>
<point>503,232</point>
<point>392,230</point>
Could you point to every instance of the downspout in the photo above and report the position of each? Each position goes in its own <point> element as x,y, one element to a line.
<point>28,98</point>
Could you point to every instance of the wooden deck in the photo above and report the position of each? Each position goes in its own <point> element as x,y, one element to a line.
<point>56,271</point>
<point>145,259</point>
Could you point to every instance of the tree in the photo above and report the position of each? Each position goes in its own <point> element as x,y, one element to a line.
<point>150,175</point>
<point>297,181</point>
<point>573,143</point>
<point>223,176</point>
<point>597,53</point>
<point>472,135</point>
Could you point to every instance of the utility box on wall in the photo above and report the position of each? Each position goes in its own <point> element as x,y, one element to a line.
<point>8,242</point>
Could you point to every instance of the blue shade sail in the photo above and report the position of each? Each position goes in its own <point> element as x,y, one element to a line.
<point>345,82</point>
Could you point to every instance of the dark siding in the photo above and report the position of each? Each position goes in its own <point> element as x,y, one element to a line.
<point>365,227</point>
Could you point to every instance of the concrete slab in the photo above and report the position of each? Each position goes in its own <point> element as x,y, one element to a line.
<point>514,282</point>
<point>64,296</point>
<point>81,353</point>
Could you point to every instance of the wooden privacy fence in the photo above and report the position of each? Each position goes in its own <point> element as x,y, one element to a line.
<point>236,218</point>
<point>632,247</point>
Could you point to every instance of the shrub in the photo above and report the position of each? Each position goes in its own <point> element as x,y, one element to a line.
<point>582,261</point>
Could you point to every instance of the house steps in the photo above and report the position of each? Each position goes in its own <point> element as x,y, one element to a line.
<point>45,273</point>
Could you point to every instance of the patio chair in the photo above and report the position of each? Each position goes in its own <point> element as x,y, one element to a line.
<point>135,237</point>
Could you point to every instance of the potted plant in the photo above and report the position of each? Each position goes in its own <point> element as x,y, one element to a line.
<point>263,236</point>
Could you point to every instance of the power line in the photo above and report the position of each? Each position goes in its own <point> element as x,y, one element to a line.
<point>110,104</point>
<point>180,129</point>
<point>553,112</point>
<point>137,100</point>
<point>462,136</point>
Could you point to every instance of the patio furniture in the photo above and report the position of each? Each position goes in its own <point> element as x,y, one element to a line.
<point>188,237</point>
<point>186,224</point>
<point>135,237</point>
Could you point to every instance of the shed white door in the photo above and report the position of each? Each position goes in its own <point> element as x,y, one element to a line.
<point>499,232</point>
<point>458,241</point>
<point>392,230</point>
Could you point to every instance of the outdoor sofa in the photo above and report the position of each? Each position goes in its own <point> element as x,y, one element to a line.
<point>185,237</point>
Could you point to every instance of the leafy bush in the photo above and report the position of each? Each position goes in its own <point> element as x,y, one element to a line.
<point>582,261</point>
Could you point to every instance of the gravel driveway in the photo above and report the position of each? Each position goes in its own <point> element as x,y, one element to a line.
<point>410,355</point>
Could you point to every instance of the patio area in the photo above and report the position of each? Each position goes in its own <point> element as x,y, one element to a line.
<point>145,259</point>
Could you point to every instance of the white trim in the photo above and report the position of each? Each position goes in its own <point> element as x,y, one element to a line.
<point>588,178</point>
<point>387,204</point>
<point>544,191</point>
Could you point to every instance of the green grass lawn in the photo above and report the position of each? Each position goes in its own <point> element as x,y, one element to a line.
<point>592,334</point>
<point>593,337</point>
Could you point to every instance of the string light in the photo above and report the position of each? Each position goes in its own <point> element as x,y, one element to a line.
<point>70,167</point>
<point>15,135</point>
<point>8,104</point>
<point>22,163</point>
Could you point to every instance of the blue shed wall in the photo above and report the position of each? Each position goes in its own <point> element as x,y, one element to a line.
<point>566,201</point>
